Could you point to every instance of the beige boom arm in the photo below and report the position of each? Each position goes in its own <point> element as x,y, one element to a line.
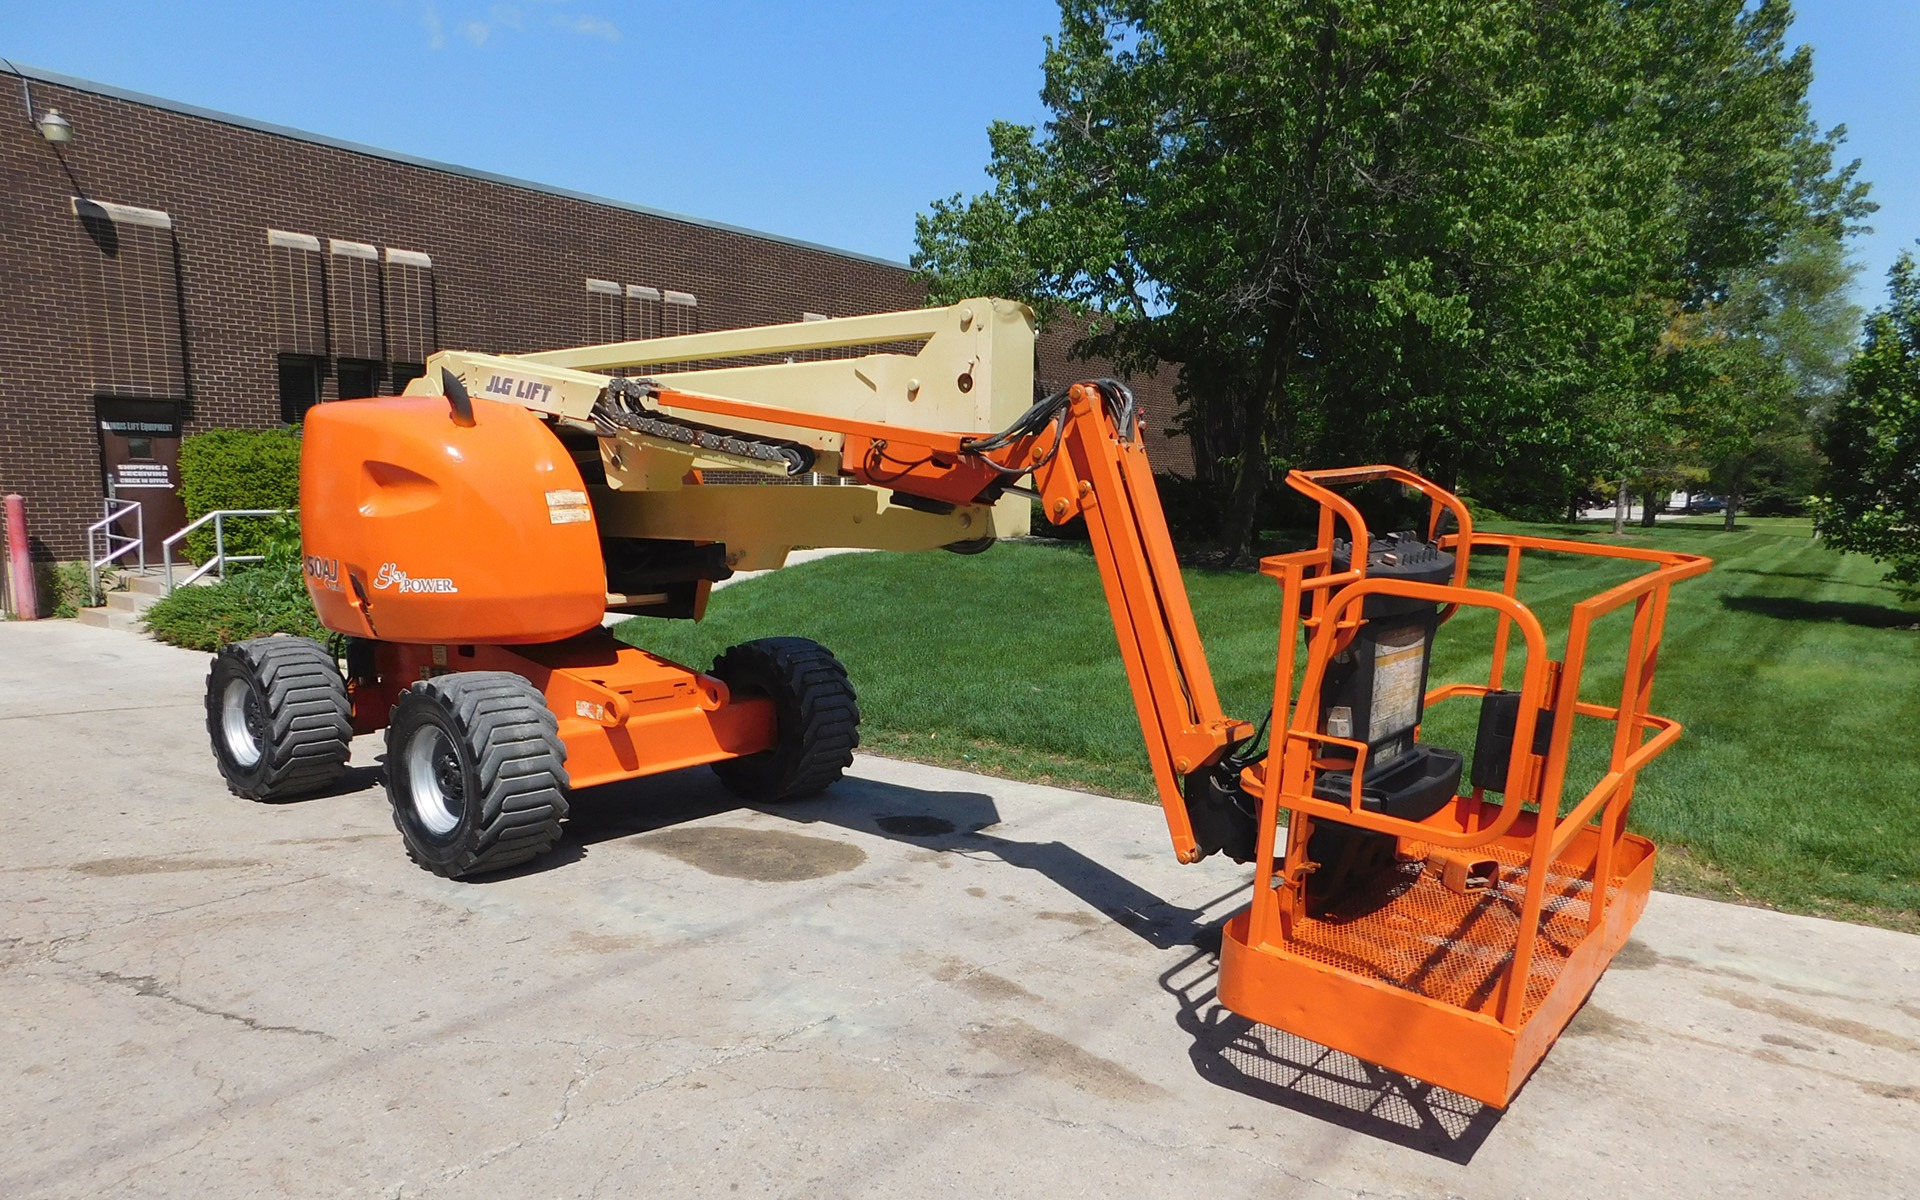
<point>967,367</point>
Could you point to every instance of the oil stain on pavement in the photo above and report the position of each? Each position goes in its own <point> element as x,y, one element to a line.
<point>762,855</point>
<point>1023,1046</point>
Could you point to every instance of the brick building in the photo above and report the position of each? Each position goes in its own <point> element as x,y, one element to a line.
<point>172,269</point>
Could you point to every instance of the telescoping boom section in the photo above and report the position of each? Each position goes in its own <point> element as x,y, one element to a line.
<point>1438,912</point>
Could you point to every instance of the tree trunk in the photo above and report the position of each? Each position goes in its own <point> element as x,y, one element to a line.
<point>1573,508</point>
<point>1733,506</point>
<point>1647,511</point>
<point>1622,498</point>
<point>1212,424</point>
<point>1250,478</point>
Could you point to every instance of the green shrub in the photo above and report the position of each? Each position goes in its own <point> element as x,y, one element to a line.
<point>270,597</point>
<point>70,589</point>
<point>1481,511</point>
<point>238,468</point>
<point>1195,512</point>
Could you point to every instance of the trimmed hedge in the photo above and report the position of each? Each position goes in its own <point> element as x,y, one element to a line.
<point>254,602</point>
<point>238,468</point>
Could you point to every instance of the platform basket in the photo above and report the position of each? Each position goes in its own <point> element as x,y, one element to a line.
<point>1462,987</point>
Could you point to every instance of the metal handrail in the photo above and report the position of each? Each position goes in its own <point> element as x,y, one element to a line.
<point>101,535</point>
<point>220,557</point>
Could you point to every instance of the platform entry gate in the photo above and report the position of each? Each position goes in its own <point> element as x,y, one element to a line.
<point>140,459</point>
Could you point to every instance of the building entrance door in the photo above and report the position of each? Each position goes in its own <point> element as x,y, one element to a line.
<point>140,456</point>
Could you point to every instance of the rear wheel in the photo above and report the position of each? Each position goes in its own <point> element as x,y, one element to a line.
<point>278,717</point>
<point>474,773</point>
<point>816,718</point>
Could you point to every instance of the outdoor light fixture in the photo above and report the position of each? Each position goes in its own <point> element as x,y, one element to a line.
<point>55,128</point>
<point>52,126</point>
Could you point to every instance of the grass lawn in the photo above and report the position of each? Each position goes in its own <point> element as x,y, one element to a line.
<point>1795,671</point>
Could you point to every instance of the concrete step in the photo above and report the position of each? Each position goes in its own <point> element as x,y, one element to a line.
<point>110,618</point>
<point>132,602</point>
<point>149,583</point>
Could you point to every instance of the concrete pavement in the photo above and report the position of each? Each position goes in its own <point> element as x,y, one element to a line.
<point>926,982</point>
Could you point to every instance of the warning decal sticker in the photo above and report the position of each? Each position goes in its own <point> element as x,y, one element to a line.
<point>1396,682</point>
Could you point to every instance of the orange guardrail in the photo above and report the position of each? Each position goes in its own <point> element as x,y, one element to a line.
<point>1326,604</point>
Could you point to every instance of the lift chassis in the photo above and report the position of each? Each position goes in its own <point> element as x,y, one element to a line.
<point>1435,916</point>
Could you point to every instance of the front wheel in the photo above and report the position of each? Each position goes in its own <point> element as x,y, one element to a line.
<point>278,717</point>
<point>816,718</point>
<point>474,773</point>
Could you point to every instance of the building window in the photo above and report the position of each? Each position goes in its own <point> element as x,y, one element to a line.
<point>682,313</point>
<point>355,302</point>
<point>643,312</point>
<point>358,378</point>
<point>136,337</point>
<point>605,319</point>
<point>405,373</point>
<point>299,292</point>
<point>299,386</point>
<point>412,331</point>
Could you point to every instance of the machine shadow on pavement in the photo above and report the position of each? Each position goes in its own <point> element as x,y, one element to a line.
<point>940,821</point>
<point>353,779</point>
<point>1227,1051</point>
<point>1283,1069</point>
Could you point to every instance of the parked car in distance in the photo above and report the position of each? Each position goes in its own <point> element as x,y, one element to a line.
<point>1706,504</point>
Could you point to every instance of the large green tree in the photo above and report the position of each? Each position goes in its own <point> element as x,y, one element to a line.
<point>1451,232</point>
<point>1757,319</point>
<point>1774,362</point>
<point>1871,502</point>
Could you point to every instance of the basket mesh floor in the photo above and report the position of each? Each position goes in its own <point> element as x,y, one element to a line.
<point>1406,928</point>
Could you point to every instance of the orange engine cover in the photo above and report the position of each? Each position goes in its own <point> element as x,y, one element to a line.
<point>418,529</point>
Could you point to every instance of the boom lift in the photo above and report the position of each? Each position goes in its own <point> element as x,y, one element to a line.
<point>467,537</point>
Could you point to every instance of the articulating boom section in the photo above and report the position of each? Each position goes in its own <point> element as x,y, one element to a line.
<point>1435,915</point>
<point>1082,449</point>
<point>867,421</point>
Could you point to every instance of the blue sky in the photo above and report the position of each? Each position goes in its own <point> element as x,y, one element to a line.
<point>831,122</point>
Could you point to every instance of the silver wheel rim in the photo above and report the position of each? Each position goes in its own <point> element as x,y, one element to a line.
<point>435,783</point>
<point>239,713</point>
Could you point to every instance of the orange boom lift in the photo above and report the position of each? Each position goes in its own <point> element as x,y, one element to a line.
<point>1437,918</point>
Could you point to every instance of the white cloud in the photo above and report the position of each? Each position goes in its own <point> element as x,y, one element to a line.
<point>590,26</point>
<point>499,18</point>
<point>436,33</point>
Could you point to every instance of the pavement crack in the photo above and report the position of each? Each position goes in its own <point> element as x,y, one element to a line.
<point>94,712</point>
<point>583,1073</point>
<point>218,1121</point>
<point>585,1068</point>
<point>148,985</point>
<point>721,1057</point>
<point>52,946</point>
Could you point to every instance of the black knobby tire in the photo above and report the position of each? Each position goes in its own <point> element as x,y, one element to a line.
<point>474,773</point>
<point>816,718</point>
<point>278,717</point>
